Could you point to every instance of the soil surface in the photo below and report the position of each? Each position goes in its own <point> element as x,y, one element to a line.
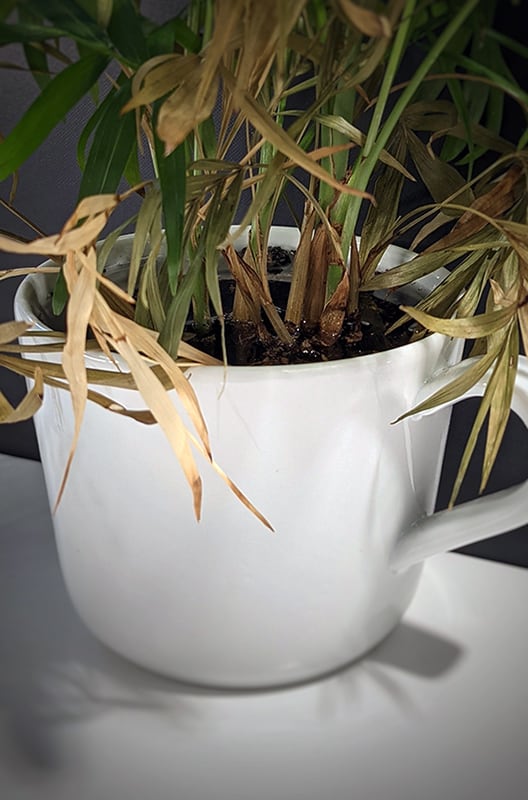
<point>249,344</point>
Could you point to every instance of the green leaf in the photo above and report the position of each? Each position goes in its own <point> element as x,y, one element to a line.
<point>220,218</point>
<point>87,131</point>
<point>114,138</point>
<point>509,86</point>
<point>38,64</point>
<point>6,6</point>
<point>408,271</point>
<point>9,34</point>
<point>175,31</point>
<point>52,105</point>
<point>177,313</point>
<point>126,32</point>
<point>149,211</point>
<point>171,172</point>
<point>71,19</point>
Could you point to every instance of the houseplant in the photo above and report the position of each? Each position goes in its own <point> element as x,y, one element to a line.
<point>264,597</point>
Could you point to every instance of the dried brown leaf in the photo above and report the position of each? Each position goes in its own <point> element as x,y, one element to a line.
<point>28,406</point>
<point>366,21</point>
<point>12,330</point>
<point>189,105</point>
<point>159,76</point>
<point>488,206</point>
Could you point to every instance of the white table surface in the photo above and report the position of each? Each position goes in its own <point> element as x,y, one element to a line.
<point>439,711</point>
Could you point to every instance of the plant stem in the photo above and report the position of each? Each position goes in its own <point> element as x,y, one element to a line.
<point>379,137</point>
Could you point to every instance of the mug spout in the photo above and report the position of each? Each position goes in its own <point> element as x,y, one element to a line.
<point>470,522</point>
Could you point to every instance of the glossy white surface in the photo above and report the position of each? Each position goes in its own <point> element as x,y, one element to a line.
<point>224,602</point>
<point>439,710</point>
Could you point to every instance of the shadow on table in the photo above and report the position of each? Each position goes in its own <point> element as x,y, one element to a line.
<point>52,670</point>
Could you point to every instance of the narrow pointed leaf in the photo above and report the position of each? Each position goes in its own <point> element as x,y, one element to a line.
<point>113,141</point>
<point>467,328</point>
<point>50,107</point>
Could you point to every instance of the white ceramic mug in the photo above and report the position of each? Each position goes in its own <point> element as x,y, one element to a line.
<point>224,602</point>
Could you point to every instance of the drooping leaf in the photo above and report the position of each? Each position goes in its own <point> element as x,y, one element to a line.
<point>80,276</point>
<point>11,330</point>
<point>465,328</point>
<point>470,374</point>
<point>159,76</point>
<point>366,21</point>
<point>184,109</point>
<point>28,406</point>
<point>154,394</point>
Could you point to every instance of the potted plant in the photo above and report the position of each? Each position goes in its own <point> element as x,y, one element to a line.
<point>182,340</point>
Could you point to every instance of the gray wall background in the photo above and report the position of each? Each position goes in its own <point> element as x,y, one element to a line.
<point>47,192</point>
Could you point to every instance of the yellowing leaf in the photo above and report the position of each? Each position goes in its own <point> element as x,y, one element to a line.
<point>465,328</point>
<point>184,109</point>
<point>11,330</point>
<point>366,21</point>
<point>81,281</point>
<point>159,76</point>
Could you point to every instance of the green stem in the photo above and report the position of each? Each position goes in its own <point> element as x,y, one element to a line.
<point>379,138</point>
<point>395,56</point>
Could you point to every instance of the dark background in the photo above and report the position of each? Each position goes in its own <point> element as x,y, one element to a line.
<point>47,193</point>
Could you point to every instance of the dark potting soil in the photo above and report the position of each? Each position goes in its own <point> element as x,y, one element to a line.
<point>363,333</point>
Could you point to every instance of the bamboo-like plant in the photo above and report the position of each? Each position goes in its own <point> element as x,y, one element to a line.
<point>238,102</point>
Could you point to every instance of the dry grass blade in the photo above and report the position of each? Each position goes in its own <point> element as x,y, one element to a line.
<point>150,347</point>
<point>500,384</point>
<point>29,404</point>
<point>19,272</point>
<point>80,279</point>
<point>154,394</point>
<point>149,213</point>
<point>74,237</point>
<point>190,353</point>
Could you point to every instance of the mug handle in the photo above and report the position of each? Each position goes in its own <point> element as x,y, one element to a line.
<point>477,519</point>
